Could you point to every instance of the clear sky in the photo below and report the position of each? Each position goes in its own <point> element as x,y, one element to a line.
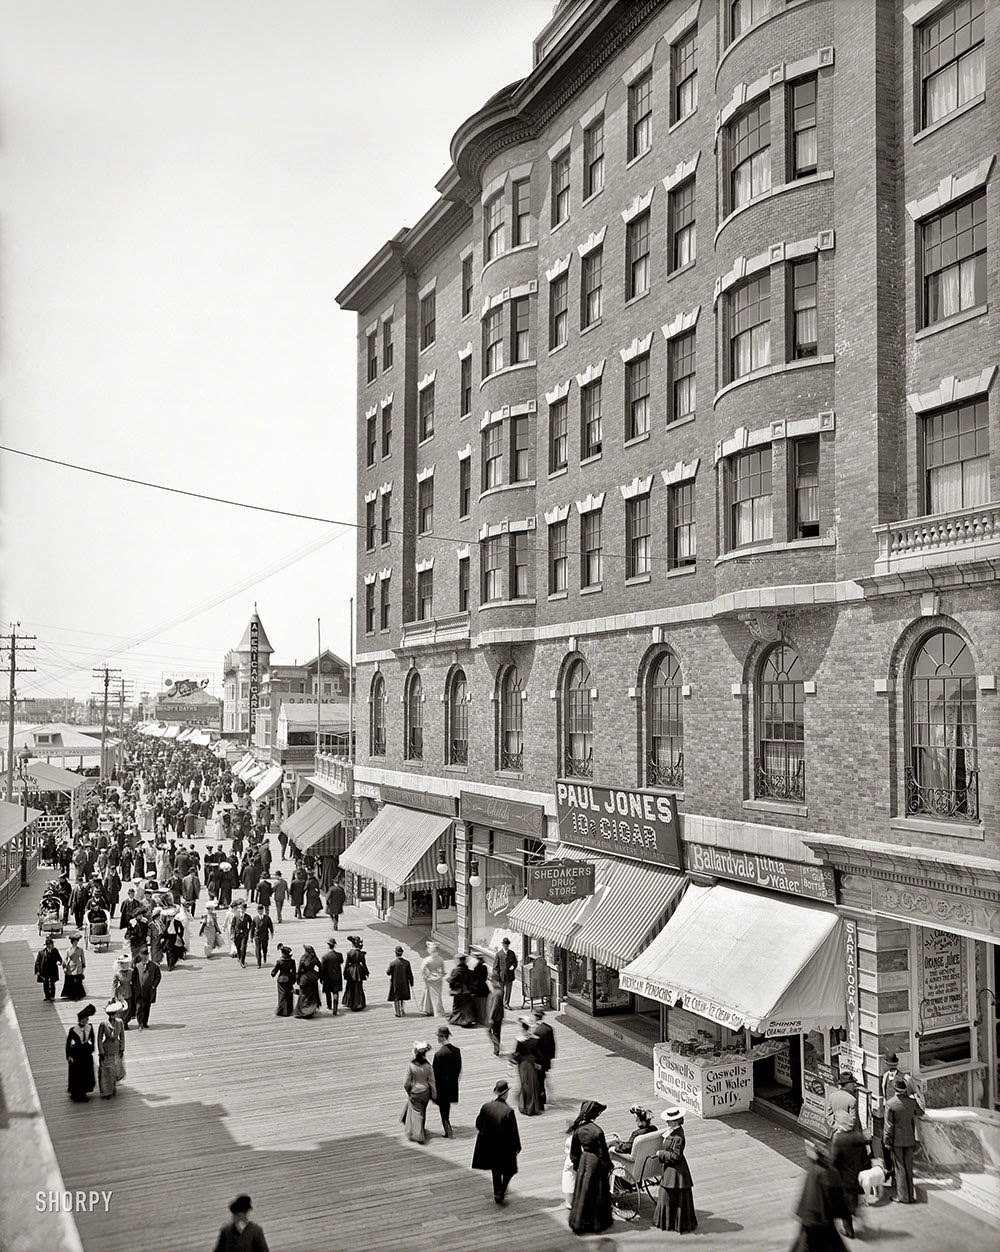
<point>184,188</point>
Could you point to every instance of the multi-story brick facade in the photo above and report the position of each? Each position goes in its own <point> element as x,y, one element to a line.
<point>706,318</point>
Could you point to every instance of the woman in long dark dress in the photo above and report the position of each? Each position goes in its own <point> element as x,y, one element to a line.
<point>284,971</point>
<point>308,975</point>
<point>675,1199</point>
<point>590,1211</point>
<point>313,901</point>
<point>355,973</point>
<point>74,964</point>
<point>480,989</point>
<point>528,1059</point>
<point>80,1045</point>
<point>461,986</point>
<point>297,891</point>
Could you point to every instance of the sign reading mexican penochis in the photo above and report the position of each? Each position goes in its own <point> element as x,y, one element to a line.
<point>641,825</point>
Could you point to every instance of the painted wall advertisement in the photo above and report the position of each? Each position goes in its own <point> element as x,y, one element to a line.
<point>641,825</point>
<point>254,699</point>
<point>711,1090</point>
<point>943,979</point>
<point>814,882</point>
<point>851,981</point>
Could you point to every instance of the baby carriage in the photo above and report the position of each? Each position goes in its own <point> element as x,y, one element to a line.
<point>50,912</point>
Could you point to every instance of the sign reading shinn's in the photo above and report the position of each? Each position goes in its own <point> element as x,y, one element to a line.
<point>638,824</point>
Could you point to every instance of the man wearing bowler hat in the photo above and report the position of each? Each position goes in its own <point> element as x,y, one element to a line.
<point>842,1104</point>
<point>240,1234</point>
<point>498,1141</point>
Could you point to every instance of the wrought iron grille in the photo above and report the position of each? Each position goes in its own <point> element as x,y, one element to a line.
<point>458,752</point>
<point>788,783</point>
<point>512,760</point>
<point>958,802</point>
<point>665,774</point>
<point>579,767</point>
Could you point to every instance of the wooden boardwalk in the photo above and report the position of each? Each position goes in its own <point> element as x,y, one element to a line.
<point>223,1097</point>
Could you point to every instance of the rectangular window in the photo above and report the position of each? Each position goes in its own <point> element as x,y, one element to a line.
<point>750,498</point>
<point>373,356</point>
<point>640,115</point>
<point>520,467</point>
<point>369,608</point>
<point>519,565</point>
<point>463,583</point>
<point>428,323</point>
<point>683,392</point>
<point>954,260</point>
<point>637,397</point>
<point>952,59</point>
<point>683,60</point>
<point>493,341</point>
<point>467,285</point>
<point>637,545</point>
<point>386,527</point>
<point>637,256</point>
<point>425,506</point>
<point>493,227</point>
<point>425,595</point>
<point>520,339</point>
<point>750,327</point>
<point>383,598</point>
<point>426,412</point>
<point>558,311</point>
<point>493,569</point>
<point>743,14</point>
<point>680,526</point>
<point>387,344</point>
<point>386,429</point>
<point>493,456</point>
<point>521,201</point>
<point>750,154</point>
<point>681,226</point>
<point>804,336</point>
<point>558,558</point>
<point>591,271</point>
<point>371,439</point>
<point>803,157</point>
<point>465,486</point>
<point>805,488</point>
<point>590,421</point>
<point>558,435</point>
<point>371,525</point>
<point>593,158</point>
<point>560,188</point>
<point>590,549</point>
<point>956,458</point>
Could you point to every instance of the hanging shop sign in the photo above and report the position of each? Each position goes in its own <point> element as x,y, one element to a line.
<point>560,881</point>
<point>503,814</point>
<point>418,800</point>
<point>641,825</point>
<point>254,692</point>
<point>943,983</point>
<point>814,882</point>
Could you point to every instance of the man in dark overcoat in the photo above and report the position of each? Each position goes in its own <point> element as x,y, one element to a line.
<point>331,973</point>
<point>498,1141</point>
<point>335,901</point>
<point>504,968</point>
<point>899,1138</point>
<point>47,964</point>
<point>400,974</point>
<point>447,1066</point>
<point>494,1013</point>
<point>145,979</point>
<point>263,929</point>
<point>241,929</point>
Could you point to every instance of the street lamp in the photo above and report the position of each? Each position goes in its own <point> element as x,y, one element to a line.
<point>474,879</point>
<point>23,757</point>
<point>442,864</point>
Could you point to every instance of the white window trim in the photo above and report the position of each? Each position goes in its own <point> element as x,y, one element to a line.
<point>387,399</point>
<point>594,240</point>
<point>559,392</point>
<point>388,313</point>
<point>465,453</point>
<point>558,513</point>
<point>591,504</point>
<point>951,187</point>
<point>594,112</point>
<point>560,145</point>
<point>777,253</point>
<point>638,347</point>
<point>462,552</point>
<point>916,13</point>
<point>371,412</point>
<point>370,496</point>
<point>681,24</point>
<point>640,66</point>
<point>370,579</point>
<point>559,267</point>
<point>681,472</point>
<point>466,351</point>
<point>371,330</point>
<point>591,374</point>
<point>426,290</point>
<point>952,390</point>
<point>639,205</point>
<point>385,574</point>
<point>506,527</point>
<point>746,93</point>
<point>427,381</point>
<point>681,323</point>
<point>386,488</point>
<point>682,172</point>
<point>637,487</point>
<point>783,428</point>
<point>424,474</point>
<point>426,566</point>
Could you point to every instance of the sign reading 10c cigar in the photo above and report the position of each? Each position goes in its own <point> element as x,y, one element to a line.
<point>641,825</point>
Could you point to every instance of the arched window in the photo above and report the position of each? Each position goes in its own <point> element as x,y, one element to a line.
<point>780,768</point>
<point>413,747</point>
<point>458,719</point>
<point>511,753</point>
<point>942,776</point>
<point>578,722</point>
<point>664,724</point>
<point>378,703</point>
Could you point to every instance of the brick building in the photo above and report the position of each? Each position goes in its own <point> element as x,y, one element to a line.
<point>678,490</point>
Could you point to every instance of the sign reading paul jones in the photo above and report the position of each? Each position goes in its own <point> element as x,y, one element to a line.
<point>560,881</point>
<point>641,825</point>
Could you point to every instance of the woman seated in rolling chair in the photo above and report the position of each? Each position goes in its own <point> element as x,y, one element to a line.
<point>97,918</point>
<point>643,1126</point>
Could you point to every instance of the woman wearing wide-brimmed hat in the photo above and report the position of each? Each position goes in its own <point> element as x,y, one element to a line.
<point>80,1056</point>
<point>111,1049</point>
<point>590,1212</point>
<point>420,1089</point>
<point>675,1199</point>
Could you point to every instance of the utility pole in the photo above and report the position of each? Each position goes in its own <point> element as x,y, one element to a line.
<point>103,670</point>
<point>12,642</point>
<point>319,689</point>
<point>121,722</point>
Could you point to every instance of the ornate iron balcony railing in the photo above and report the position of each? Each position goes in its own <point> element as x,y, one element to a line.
<point>512,760</point>
<point>670,774</point>
<point>578,767</point>
<point>781,784</point>
<point>458,752</point>
<point>948,802</point>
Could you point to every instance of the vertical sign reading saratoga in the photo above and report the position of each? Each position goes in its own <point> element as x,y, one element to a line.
<point>641,825</point>
<point>254,680</point>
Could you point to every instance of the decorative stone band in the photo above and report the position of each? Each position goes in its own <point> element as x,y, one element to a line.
<point>951,187</point>
<point>593,240</point>
<point>784,71</point>
<point>639,205</point>
<point>952,390</point>
<point>783,428</point>
<point>681,323</point>
<point>775,254</point>
<point>682,172</point>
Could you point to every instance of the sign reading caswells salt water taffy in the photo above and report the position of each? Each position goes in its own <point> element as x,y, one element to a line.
<point>560,881</point>
<point>638,824</point>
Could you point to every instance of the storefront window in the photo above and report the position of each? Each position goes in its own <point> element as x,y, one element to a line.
<point>594,987</point>
<point>945,1047</point>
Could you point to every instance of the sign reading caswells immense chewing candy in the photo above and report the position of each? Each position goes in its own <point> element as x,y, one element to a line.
<point>637,824</point>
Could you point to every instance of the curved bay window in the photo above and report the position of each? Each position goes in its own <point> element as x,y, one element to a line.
<point>458,719</point>
<point>664,724</point>
<point>942,775</point>
<point>511,745</point>
<point>780,767</point>
<point>413,746</point>
<point>578,722</point>
<point>378,703</point>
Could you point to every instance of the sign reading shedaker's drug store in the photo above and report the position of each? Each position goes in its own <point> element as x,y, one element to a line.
<point>641,825</point>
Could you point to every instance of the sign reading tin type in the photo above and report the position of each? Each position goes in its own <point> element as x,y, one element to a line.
<point>638,824</point>
<point>560,881</point>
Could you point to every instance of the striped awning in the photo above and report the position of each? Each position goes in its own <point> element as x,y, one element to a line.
<point>630,904</point>
<point>271,777</point>
<point>316,827</point>
<point>399,848</point>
